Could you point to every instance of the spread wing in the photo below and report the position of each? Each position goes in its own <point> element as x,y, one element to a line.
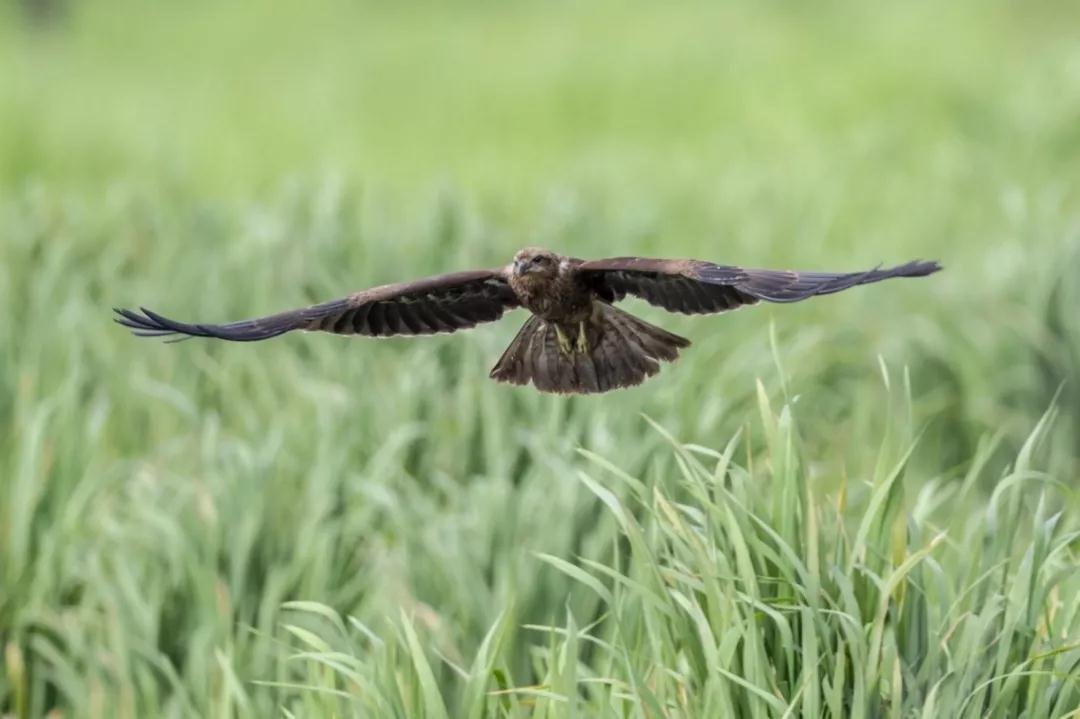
<point>696,287</point>
<point>445,303</point>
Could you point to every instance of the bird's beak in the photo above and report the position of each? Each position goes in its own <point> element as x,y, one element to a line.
<point>520,267</point>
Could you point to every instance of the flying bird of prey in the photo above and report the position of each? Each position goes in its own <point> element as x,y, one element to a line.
<point>575,341</point>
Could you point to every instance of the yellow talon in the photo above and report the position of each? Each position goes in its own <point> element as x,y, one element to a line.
<point>582,338</point>
<point>564,341</point>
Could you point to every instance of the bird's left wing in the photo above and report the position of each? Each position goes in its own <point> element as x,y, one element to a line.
<point>444,303</point>
<point>697,287</point>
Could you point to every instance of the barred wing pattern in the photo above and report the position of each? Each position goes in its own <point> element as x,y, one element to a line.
<point>696,287</point>
<point>444,303</point>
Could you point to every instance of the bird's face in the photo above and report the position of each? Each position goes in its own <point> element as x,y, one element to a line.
<point>535,263</point>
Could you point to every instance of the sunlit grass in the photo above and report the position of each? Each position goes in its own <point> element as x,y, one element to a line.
<point>735,587</point>
<point>163,503</point>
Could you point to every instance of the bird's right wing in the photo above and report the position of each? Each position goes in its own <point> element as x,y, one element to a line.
<point>698,287</point>
<point>444,303</point>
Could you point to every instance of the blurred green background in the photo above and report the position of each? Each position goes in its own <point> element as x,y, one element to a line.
<point>215,161</point>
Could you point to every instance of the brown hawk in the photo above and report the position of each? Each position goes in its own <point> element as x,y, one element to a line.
<point>576,340</point>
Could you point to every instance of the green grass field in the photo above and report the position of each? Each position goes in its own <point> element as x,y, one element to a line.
<point>865,505</point>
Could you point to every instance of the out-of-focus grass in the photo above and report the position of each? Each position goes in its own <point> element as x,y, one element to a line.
<point>160,504</point>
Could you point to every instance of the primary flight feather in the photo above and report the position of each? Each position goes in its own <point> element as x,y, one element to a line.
<point>576,340</point>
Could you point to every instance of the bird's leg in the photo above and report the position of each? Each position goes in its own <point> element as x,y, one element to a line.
<point>564,341</point>
<point>582,344</point>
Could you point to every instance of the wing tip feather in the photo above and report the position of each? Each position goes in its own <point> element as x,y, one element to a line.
<point>922,268</point>
<point>146,323</point>
<point>141,323</point>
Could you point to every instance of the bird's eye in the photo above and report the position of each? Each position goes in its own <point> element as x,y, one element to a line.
<point>538,260</point>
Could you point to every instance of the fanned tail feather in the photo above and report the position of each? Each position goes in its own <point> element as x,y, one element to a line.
<point>618,350</point>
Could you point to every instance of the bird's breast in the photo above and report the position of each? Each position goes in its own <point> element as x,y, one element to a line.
<point>557,298</point>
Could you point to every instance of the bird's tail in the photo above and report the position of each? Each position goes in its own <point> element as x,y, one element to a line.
<point>610,349</point>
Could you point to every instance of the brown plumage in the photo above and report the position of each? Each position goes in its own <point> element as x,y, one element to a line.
<point>576,341</point>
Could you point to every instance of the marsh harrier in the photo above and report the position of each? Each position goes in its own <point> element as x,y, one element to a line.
<point>575,341</point>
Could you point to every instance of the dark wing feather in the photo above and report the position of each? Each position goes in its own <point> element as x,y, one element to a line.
<point>444,303</point>
<point>696,287</point>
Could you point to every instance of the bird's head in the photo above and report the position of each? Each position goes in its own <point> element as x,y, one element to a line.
<point>536,262</point>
